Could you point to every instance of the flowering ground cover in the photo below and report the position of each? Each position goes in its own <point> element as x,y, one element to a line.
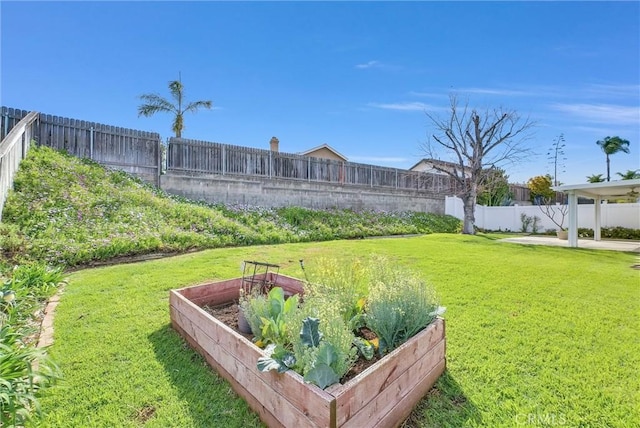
<point>66,211</point>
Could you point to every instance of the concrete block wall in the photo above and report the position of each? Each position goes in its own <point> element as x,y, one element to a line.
<point>278,193</point>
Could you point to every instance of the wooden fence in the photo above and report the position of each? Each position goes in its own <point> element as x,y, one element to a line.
<point>13,149</point>
<point>213,158</point>
<point>134,151</point>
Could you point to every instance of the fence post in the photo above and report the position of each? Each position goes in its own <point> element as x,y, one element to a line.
<point>91,131</point>
<point>159,160</point>
<point>270,164</point>
<point>6,125</point>
<point>371,175</point>
<point>224,162</point>
<point>308,168</point>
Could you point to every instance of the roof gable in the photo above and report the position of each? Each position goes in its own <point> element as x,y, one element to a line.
<point>326,147</point>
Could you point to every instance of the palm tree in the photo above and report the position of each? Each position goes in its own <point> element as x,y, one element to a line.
<point>630,174</point>
<point>155,103</point>
<point>612,145</point>
<point>595,178</point>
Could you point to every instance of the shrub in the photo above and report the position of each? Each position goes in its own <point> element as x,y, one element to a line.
<point>611,233</point>
<point>399,305</point>
<point>342,284</point>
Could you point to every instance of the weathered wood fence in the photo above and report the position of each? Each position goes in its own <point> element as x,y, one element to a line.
<point>130,150</point>
<point>140,153</point>
<point>189,156</point>
<point>13,149</point>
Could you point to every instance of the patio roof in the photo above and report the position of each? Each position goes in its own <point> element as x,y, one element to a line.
<point>597,192</point>
<point>604,190</point>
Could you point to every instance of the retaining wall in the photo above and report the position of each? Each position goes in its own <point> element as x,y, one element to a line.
<point>278,193</point>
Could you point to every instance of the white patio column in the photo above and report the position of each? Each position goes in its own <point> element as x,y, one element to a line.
<point>573,219</point>
<point>598,211</point>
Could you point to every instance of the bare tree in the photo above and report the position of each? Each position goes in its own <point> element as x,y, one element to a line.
<point>475,143</point>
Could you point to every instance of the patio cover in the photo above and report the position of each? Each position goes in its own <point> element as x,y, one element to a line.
<point>597,192</point>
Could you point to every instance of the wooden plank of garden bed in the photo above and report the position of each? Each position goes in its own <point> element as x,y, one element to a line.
<point>261,388</point>
<point>404,407</point>
<point>358,392</point>
<point>394,399</point>
<point>221,292</point>
<point>213,294</point>
<point>281,394</point>
<point>289,284</point>
<point>262,412</point>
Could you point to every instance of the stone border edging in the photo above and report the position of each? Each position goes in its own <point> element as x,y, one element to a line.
<point>46,326</point>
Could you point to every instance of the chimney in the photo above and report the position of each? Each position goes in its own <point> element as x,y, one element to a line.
<point>273,144</point>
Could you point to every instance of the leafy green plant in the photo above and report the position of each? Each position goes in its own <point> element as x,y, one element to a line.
<point>399,305</point>
<point>24,372</point>
<point>321,370</point>
<point>278,358</point>
<point>24,288</point>
<point>274,327</point>
<point>336,333</point>
<point>268,316</point>
<point>315,356</point>
<point>24,369</point>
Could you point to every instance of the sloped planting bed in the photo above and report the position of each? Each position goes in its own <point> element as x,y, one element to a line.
<point>381,396</point>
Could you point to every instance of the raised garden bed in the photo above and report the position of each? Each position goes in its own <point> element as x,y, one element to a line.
<point>383,395</point>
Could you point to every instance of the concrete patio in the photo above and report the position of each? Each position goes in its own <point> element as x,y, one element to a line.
<point>590,244</point>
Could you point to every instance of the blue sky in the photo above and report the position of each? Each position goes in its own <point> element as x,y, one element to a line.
<point>358,76</point>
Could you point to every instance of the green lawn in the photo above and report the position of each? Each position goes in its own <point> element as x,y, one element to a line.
<point>536,336</point>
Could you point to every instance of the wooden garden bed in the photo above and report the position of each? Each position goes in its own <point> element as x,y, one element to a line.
<point>381,396</point>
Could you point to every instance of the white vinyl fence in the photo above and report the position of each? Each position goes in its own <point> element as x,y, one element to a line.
<point>508,218</point>
<point>14,148</point>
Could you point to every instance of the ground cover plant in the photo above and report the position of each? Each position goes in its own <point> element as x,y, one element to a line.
<point>536,336</point>
<point>66,211</point>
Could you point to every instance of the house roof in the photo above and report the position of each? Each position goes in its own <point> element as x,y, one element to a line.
<point>435,162</point>
<point>324,146</point>
<point>608,189</point>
